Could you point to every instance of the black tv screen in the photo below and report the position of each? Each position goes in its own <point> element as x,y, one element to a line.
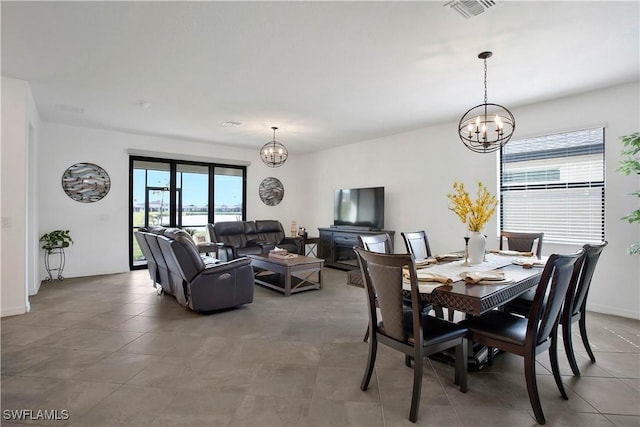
<point>359,207</point>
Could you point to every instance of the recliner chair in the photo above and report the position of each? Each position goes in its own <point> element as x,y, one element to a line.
<point>200,283</point>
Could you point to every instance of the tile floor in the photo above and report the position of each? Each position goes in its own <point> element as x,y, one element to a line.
<point>112,352</point>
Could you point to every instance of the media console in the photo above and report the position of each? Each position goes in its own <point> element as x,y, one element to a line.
<point>336,245</point>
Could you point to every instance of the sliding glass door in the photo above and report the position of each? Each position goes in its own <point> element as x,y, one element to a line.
<point>186,195</point>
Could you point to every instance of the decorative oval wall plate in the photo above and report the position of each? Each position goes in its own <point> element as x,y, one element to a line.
<point>271,191</point>
<point>86,182</point>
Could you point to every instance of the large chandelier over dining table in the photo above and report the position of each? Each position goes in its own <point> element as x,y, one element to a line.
<point>486,127</point>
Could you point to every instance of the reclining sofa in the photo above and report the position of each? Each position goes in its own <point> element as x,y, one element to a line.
<point>236,239</point>
<point>199,283</point>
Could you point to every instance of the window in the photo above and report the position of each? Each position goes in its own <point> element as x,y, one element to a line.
<point>175,193</point>
<point>555,184</point>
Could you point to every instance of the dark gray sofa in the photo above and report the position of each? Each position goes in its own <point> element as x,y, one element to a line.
<point>200,283</point>
<point>241,238</point>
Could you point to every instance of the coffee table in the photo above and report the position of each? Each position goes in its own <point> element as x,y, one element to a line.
<point>288,275</point>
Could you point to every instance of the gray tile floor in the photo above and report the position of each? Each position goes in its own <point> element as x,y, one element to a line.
<point>112,352</point>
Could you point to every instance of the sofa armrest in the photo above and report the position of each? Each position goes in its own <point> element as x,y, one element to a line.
<point>295,241</point>
<point>226,266</point>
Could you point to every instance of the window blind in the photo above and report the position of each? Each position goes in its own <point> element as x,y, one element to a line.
<point>555,184</point>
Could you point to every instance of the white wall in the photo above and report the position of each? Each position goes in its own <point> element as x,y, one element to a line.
<point>18,261</point>
<point>418,169</point>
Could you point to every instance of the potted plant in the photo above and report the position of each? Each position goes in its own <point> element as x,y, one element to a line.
<point>630,164</point>
<point>56,239</point>
<point>54,242</point>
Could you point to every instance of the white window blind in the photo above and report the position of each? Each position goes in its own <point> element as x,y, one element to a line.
<point>555,184</point>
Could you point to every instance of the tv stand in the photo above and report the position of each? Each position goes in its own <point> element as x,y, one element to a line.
<point>355,228</point>
<point>337,242</point>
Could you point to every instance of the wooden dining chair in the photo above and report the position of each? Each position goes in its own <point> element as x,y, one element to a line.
<point>380,243</point>
<point>530,336</point>
<point>405,329</point>
<point>417,244</point>
<point>522,242</point>
<point>575,307</point>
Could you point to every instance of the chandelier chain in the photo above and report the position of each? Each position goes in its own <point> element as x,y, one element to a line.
<point>485,81</point>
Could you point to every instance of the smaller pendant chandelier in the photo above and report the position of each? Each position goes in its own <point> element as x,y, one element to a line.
<point>486,127</point>
<point>273,153</point>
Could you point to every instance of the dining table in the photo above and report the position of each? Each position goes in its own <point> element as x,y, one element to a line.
<point>474,299</point>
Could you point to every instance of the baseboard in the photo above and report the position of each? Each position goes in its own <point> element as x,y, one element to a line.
<point>616,311</point>
<point>13,311</point>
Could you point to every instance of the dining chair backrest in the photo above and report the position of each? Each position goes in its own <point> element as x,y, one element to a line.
<point>591,257</point>
<point>522,242</point>
<point>382,277</point>
<point>417,244</point>
<point>559,276</point>
<point>380,243</point>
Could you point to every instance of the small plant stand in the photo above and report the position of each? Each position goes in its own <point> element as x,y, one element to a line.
<point>54,268</point>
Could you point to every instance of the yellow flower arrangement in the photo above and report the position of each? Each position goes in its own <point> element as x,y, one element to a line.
<point>475,214</point>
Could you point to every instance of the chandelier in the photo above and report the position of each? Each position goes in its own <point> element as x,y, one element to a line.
<point>486,127</point>
<point>273,153</point>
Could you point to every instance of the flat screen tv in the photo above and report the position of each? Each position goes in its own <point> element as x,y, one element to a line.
<point>359,207</point>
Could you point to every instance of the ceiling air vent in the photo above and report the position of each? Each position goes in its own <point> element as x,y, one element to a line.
<point>469,8</point>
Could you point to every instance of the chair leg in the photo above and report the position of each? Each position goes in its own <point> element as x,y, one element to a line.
<point>462,354</point>
<point>371,361</point>
<point>417,389</point>
<point>532,387</point>
<point>407,360</point>
<point>583,333</point>
<point>568,346</point>
<point>553,357</point>
<point>490,356</point>
<point>366,335</point>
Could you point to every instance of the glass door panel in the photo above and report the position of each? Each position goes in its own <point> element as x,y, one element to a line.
<point>150,201</point>
<point>228,194</point>
<point>193,199</point>
<point>158,207</point>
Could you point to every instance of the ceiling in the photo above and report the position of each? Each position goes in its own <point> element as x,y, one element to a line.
<point>325,73</point>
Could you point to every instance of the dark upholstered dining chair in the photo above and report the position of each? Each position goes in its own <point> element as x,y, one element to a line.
<point>522,242</point>
<point>417,244</point>
<point>404,329</point>
<point>380,243</point>
<point>530,336</point>
<point>575,308</point>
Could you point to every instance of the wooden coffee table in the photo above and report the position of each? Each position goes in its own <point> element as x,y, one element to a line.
<point>288,275</point>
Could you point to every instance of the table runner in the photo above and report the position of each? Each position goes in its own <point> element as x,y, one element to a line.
<point>453,270</point>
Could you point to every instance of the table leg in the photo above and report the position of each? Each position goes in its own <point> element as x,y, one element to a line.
<point>287,284</point>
